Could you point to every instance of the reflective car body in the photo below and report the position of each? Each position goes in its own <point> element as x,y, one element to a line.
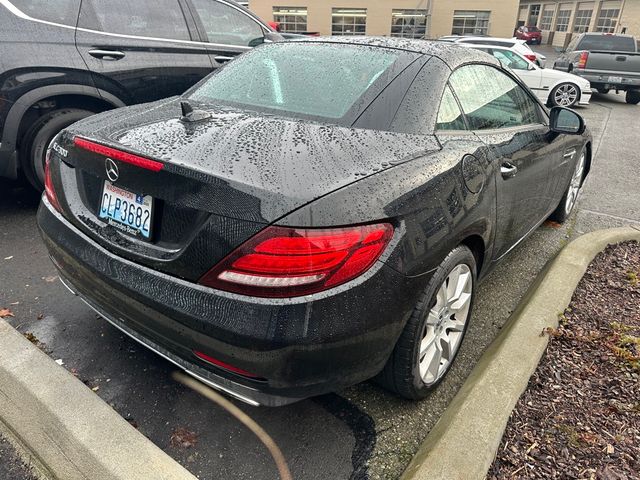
<point>225,175</point>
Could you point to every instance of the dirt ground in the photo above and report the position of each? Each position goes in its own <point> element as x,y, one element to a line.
<point>580,415</point>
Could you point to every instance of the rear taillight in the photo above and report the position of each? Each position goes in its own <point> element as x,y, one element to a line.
<point>582,63</point>
<point>288,262</point>
<point>115,154</point>
<point>48,183</point>
<point>531,57</point>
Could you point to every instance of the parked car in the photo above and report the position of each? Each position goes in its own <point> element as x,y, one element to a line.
<point>121,53</point>
<point>519,46</point>
<point>530,34</point>
<point>552,87</point>
<point>608,61</point>
<point>313,214</point>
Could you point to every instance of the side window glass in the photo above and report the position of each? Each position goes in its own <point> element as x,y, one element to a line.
<point>64,12</point>
<point>491,99</point>
<point>227,25</point>
<point>449,116</point>
<point>159,19</point>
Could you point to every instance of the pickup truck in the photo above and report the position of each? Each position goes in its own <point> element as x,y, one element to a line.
<point>608,61</point>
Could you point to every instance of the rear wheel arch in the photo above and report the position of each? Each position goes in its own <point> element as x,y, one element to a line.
<point>589,157</point>
<point>476,244</point>
<point>38,102</point>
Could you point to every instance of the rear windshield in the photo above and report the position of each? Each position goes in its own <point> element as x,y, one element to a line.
<point>607,42</point>
<point>318,80</point>
<point>533,29</point>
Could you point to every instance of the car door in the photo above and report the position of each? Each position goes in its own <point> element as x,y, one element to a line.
<point>227,29</point>
<point>506,118</point>
<point>141,50</point>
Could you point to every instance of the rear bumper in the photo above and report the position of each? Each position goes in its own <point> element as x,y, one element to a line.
<point>585,97</point>
<point>299,347</point>
<point>602,81</point>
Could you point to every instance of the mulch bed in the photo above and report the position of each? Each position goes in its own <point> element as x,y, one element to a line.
<point>580,415</point>
<point>11,466</point>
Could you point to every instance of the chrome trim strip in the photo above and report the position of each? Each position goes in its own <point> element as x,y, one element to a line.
<point>570,154</point>
<point>18,13</point>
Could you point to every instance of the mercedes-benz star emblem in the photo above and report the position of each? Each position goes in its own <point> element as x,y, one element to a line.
<point>112,169</point>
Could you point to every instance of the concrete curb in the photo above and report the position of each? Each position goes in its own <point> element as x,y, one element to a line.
<point>69,432</point>
<point>463,444</point>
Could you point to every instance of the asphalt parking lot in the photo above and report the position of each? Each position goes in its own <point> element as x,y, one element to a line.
<point>362,432</point>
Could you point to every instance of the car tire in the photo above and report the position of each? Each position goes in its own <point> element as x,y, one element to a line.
<point>632,97</point>
<point>570,196</point>
<point>603,91</point>
<point>35,142</point>
<point>564,95</point>
<point>406,372</point>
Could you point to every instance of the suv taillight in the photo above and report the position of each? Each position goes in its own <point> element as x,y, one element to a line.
<point>582,63</point>
<point>48,183</point>
<point>288,262</point>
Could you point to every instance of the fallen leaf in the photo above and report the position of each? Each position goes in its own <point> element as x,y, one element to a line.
<point>132,422</point>
<point>95,389</point>
<point>183,438</point>
<point>610,449</point>
<point>40,316</point>
<point>50,278</point>
<point>5,312</point>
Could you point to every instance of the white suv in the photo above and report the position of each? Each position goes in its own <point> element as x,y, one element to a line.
<point>519,46</point>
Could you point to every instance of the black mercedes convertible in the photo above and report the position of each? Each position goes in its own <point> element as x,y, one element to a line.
<point>312,215</point>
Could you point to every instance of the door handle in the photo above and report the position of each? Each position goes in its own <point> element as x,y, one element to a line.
<point>106,54</point>
<point>222,58</point>
<point>508,170</point>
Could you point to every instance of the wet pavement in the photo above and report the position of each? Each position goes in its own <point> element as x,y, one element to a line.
<point>362,432</point>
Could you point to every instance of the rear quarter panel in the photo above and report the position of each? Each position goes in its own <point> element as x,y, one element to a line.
<point>428,198</point>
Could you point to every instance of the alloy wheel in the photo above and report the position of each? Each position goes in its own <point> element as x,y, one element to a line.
<point>574,185</point>
<point>445,325</point>
<point>565,95</point>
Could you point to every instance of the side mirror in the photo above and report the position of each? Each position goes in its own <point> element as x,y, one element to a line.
<point>564,120</point>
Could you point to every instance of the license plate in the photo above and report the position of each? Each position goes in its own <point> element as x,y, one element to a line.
<point>129,212</point>
<point>615,79</point>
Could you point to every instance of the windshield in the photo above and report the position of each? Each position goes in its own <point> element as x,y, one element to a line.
<point>607,42</point>
<point>303,79</point>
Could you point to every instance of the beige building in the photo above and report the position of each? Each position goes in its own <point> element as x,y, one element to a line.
<point>561,20</point>
<point>401,18</point>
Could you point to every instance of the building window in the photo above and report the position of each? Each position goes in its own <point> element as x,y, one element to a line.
<point>608,20</point>
<point>291,19</point>
<point>562,25</point>
<point>534,13</point>
<point>409,23</point>
<point>467,22</point>
<point>348,21</point>
<point>547,20</point>
<point>582,21</point>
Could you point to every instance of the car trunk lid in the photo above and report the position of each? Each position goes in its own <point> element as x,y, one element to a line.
<point>220,181</point>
